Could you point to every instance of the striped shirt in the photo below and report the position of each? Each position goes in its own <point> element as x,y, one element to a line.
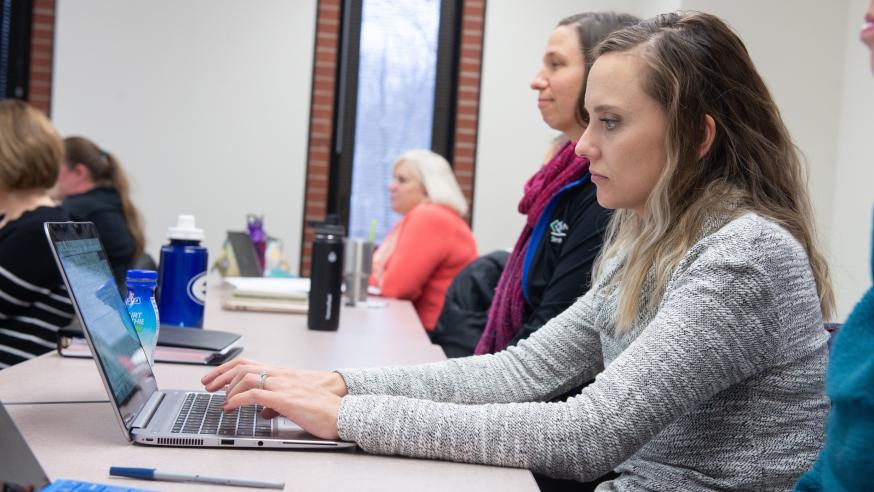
<point>33,301</point>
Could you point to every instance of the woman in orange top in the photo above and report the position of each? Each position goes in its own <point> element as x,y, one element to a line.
<point>423,252</point>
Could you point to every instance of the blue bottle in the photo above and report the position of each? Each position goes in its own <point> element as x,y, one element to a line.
<point>182,275</point>
<point>143,310</point>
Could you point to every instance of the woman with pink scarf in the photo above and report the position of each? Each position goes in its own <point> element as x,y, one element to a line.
<point>551,263</point>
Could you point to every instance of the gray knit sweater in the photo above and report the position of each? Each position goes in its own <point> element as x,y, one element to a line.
<point>719,387</point>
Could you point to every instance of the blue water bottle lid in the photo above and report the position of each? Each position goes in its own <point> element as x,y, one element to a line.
<point>142,276</point>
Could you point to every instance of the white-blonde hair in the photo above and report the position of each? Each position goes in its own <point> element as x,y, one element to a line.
<point>436,176</point>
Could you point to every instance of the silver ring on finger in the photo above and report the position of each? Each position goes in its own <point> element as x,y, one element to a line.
<point>262,377</point>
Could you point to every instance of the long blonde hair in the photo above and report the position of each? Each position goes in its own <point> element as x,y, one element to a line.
<point>697,66</point>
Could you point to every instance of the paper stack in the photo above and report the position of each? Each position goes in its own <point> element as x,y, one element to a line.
<point>268,294</point>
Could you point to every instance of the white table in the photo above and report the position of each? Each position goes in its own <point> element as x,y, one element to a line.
<point>82,440</point>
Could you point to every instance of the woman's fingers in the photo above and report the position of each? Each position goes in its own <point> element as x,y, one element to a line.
<point>249,377</point>
<point>246,382</point>
<point>223,369</point>
<point>269,413</point>
<point>231,378</point>
<point>241,372</point>
<point>309,398</point>
<point>231,373</point>
<point>218,377</point>
<point>314,409</point>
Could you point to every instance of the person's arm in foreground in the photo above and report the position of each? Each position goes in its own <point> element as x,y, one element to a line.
<point>707,336</point>
<point>534,370</point>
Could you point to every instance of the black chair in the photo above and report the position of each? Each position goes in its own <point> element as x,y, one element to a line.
<point>466,309</point>
<point>144,262</point>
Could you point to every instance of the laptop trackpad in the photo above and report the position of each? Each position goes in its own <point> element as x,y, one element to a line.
<point>283,424</point>
<point>284,428</point>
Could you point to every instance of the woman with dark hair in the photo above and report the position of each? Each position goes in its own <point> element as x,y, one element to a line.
<point>704,324</point>
<point>33,301</point>
<point>551,263</point>
<point>94,188</point>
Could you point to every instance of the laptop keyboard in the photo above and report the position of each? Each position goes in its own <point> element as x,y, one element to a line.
<point>77,486</point>
<point>202,413</point>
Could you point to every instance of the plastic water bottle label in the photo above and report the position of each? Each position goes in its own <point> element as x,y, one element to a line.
<point>155,310</point>
<point>143,312</point>
<point>197,288</point>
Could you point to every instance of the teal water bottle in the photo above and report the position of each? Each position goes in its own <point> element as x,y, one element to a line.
<point>143,309</point>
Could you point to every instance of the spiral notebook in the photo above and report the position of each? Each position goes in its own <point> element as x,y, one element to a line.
<point>175,345</point>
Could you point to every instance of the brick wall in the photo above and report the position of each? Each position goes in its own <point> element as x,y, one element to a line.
<point>467,110</point>
<point>322,110</point>
<point>325,61</point>
<point>42,41</point>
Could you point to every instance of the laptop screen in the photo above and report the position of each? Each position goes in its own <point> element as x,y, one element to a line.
<point>245,254</point>
<point>19,469</point>
<point>104,316</point>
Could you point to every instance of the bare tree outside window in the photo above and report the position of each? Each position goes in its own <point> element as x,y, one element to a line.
<point>395,102</point>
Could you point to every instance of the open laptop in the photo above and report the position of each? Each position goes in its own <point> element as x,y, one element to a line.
<point>147,414</point>
<point>244,254</point>
<point>21,471</point>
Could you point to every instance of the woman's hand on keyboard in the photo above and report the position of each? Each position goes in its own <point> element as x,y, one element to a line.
<point>229,374</point>
<point>310,405</point>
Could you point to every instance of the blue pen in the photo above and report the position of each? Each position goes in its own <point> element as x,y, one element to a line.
<point>152,474</point>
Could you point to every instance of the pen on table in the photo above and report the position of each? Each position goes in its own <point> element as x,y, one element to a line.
<point>152,474</point>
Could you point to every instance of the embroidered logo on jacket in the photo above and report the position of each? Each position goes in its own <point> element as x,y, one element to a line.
<point>557,231</point>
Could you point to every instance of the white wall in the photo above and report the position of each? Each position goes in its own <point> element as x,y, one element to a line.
<point>808,54</point>
<point>800,55</point>
<point>853,167</point>
<point>205,102</point>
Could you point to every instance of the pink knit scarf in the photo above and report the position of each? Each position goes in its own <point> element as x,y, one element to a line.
<point>507,312</point>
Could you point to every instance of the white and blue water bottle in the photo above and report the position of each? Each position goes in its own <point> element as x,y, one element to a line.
<point>143,310</point>
<point>182,275</point>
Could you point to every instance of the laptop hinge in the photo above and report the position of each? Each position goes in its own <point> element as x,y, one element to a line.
<point>148,411</point>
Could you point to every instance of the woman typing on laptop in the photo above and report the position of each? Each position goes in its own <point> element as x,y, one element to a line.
<point>703,324</point>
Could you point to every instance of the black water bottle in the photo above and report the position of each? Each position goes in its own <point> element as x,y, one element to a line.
<point>326,276</point>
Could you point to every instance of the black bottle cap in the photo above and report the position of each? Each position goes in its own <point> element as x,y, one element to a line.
<point>331,226</point>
